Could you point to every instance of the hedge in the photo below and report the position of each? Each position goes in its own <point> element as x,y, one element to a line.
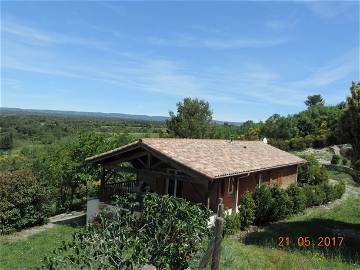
<point>23,201</point>
<point>267,204</point>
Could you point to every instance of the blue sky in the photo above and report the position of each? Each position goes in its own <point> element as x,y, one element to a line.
<point>248,59</point>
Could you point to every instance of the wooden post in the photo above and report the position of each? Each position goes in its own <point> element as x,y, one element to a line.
<point>214,247</point>
<point>219,227</point>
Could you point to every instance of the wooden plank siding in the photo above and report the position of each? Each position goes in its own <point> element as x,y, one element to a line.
<point>195,192</point>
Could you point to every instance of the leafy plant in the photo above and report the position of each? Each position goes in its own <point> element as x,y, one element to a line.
<point>297,197</point>
<point>264,204</point>
<point>282,204</point>
<point>166,234</point>
<point>232,223</point>
<point>23,201</point>
<point>312,172</point>
<point>247,210</point>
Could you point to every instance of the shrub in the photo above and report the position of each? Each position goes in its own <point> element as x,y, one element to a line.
<point>247,210</point>
<point>264,203</point>
<point>335,159</point>
<point>329,191</point>
<point>297,143</point>
<point>320,142</point>
<point>232,223</point>
<point>297,197</point>
<point>319,195</point>
<point>309,195</point>
<point>339,189</point>
<point>282,204</point>
<point>344,162</point>
<point>23,201</point>
<point>168,232</point>
<point>312,172</point>
<point>282,144</point>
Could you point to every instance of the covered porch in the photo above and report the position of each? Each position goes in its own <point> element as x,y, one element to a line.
<point>146,170</point>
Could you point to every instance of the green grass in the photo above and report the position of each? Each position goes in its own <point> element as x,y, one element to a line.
<point>236,255</point>
<point>28,253</point>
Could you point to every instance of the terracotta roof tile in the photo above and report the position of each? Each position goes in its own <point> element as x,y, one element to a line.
<point>217,158</point>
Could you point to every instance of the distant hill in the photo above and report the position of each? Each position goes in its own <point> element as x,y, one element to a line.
<point>122,116</point>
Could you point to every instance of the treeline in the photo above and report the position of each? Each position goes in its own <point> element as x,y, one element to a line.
<point>317,126</point>
<point>47,129</point>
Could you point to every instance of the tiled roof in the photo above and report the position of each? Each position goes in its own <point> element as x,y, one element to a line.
<point>216,158</point>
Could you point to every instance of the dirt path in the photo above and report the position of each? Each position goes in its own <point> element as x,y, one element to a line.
<point>66,218</point>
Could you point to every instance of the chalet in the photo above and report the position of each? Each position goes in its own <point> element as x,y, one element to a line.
<point>198,170</point>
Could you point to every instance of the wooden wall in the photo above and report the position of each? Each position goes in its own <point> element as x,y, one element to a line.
<point>196,193</point>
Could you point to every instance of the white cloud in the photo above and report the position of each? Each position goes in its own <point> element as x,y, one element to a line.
<point>33,36</point>
<point>330,10</point>
<point>217,42</point>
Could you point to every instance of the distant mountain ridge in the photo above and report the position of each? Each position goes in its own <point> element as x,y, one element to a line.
<point>120,116</point>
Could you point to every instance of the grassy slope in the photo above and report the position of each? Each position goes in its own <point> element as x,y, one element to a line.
<point>258,250</point>
<point>28,253</point>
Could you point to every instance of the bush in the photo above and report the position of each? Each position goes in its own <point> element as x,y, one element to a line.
<point>312,172</point>
<point>247,210</point>
<point>297,143</point>
<point>320,142</point>
<point>281,144</point>
<point>23,201</point>
<point>344,162</point>
<point>168,232</point>
<point>309,195</point>
<point>232,223</point>
<point>330,192</point>
<point>339,189</point>
<point>282,205</point>
<point>335,159</point>
<point>297,196</point>
<point>264,204</point>
<point>319,195</point>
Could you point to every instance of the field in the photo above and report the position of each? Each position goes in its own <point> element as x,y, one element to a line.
<point>257,250</point>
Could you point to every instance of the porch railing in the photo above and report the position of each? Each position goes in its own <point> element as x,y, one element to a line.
<point>107,191</point>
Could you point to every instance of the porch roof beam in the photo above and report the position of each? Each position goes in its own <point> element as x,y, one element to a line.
<point>126,159</point>
<point>168,175</point>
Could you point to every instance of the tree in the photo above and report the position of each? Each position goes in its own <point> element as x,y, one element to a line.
<point>312,172</point>
<point>192,120</point>
<point>314,100</point>
<point>350,123</point>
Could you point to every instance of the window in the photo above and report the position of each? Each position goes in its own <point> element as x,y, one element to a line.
<point>231,185</point>
<point>260,179</point>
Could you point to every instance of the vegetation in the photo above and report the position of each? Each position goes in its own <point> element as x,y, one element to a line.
<point>272,203</point>
<point>23,201</point>
<point>314,100</point>
<point>350,123</point>
<point>312,172</point>
<point>192,119</point>
<point>246,210</point>
<point>335,159</point>
<point>167,234</point>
